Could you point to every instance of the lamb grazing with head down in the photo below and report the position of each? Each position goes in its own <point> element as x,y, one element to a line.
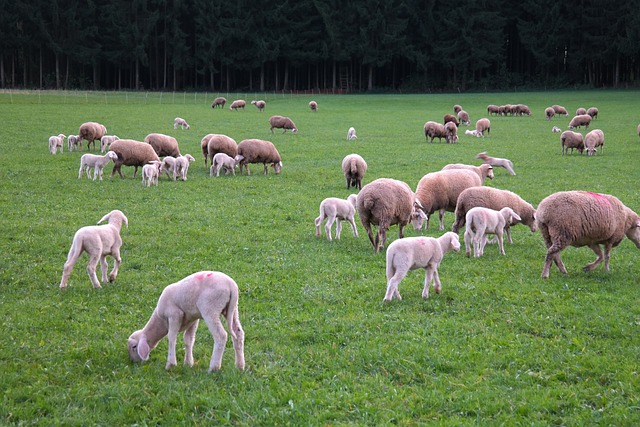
<point>464,117</point>
<point>223,161</point>
<point>258,151</point>
<point>163,145</point>
<point>580,218</point>
<point>496,162</point>
<point>434,130</point>
<point>131,153</point>
<point>179,121</point>
<point>313,105</point>
<point>581,120</point>
<point>482,126</point>
<point>559,109</point>
<point>105,142</point>
<point>570,140</point>
<point>556,129</point>
<point>259,105</point>
<point>73,142</point>
<point>335,209</point>
<point>280,122</point>
<point>592,141</point>
<point>151,172</point>
<point>213,144</point>
<point>182,166</point>
<point>238,103</point>
<point>56,143</point>
<point>483,221</point>
<point>219,102</point>
<point>91,132</point>
<point>351,134</point>
<point>206,295</point>
<point>354,167</point>
<point>98,241</point>
<point>88,161</point>
<point>411,253</point>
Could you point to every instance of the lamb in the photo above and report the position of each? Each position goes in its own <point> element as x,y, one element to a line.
<point>493,109</point>
<point>91,132</point>
<point>204,295</point>
<point>580,218</point>
<point>105,142</point>
<point>450,118</point>
<point>238,103</point>
<point>593,140</point>
<point>163,145</point>
<point>471,132</point>
<point>335,209</point>
<point>556,129</point>
<point>313,105</point>
<point>73,142</point>
<point>385,202</point>
<point>182,166</point>
<point>56,143</point>
<point>593,112</point>
<point>412,253</point>
<point>496,162</point>
<point>482,221</point>
<point>213,144</point>
<point>258,151</point>
<point>559,109</point>
<point>495,199</point>
<point>571,140</point>
<point>451,133</point>
<point>549,112</point>
<point>169,166</point>
<point>151,172</point>
<point>280,122</point>
<point>131,153</point>
<point>351,135</point>
<point>259,105</point>
<point>483,125</point>
<point>434,130</point>
<point>219,102</point>
<point>222,160</point>
<point>464,117</point>
<point>580,120</point>
<point>581,111</point>
<point>354,167</point>
<point>98,241</point>
<point>483,171</point>
<point>179,121</point>
<point>96,162</point>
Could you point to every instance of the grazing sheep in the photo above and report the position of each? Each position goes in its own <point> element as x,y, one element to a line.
<point>222,160</point>
<point>182,166</point>
<point>163,145</point>
<point>385,202</point>
<point>434,130</point>
<point>483,221</point>
<point>354,167</point>
<point>280,122</point>
<point>204,295</point>
<point>96,162</point>
<point>313,105</point>
<point>464,117</point>
<point>351,135</point>
<point>335,209</point>
<point>151,172</point>
<point>483,171</point>
<point>131,153</point>
<point>213,144</point>
<point>98,241</point>
<point>451,133</point>
<point>580,218</point>
<point>522,110</point>
<point>593,112</point>
<point>73,142</point>
<point>169,166</point>
<point>504,110</point>
<point>56,143</point>
<point>549,113</point>
<point>450,118</point>
<point>581,120</point>
<point>219,102</point>
<point>412,253</point>
<point>91,132</point>
<point>457,108</point>
<point>105,142</point>
<point>493,109</point>
<point>556,129</point>
<point>483,125</point>
<point>238,103</point>
<point>258,151</point>
<point>179,121</point>
<point>496,162</point>
<point>259,105</point>
<point>559,109</point>
<point>495,199</point>
<point>581,111</point>
<point>571,140</point>
<point>593,140</point>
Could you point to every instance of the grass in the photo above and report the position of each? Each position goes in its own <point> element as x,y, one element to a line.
<point>498,346</point>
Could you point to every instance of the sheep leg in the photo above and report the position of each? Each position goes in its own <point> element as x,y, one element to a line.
<point>189,339</point>
<point>338,228</point>
<point>318,222</point>
<point>91,270</point>
<point>238,340</point>
<point>367,227</point>
<point>599,258</point>
<point>507,229</point>
<point>394,281</point>
<point>328,225</point>
<point>381,237</point>
<point>80,171</point>
<point>353,227</point>
<point>553,255</point>
<point>115,253</point>
<point>116,168</point>
<point>103,268</point>
<point>468,241</point>
<point>427,280</point>
<point>478,247</point>
<point>174,327</point>
<point>68,266</point>
<point>441,214</point>
<point>219,339</point>
<point>500,242</point>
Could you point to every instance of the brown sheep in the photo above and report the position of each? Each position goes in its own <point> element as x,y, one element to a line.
<point>571,139</point>
<point>132,153</point>
<point>580,120</point>
<point>258,151</point>
<point>163,145</point>
<point>238,103</point>
<point>434,130</point>
<point>213,144</point>
<point>91,132</point>
<point>219,102</point>
<point>450,118</point>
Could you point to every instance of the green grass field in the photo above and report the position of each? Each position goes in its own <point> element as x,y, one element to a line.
<point>498,346</point>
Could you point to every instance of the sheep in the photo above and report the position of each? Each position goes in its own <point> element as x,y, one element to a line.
<point>549,112</point>
<point>580,120</point>
<point>496,162</point>
<point>169,166</point>
<point>581,111</point>
<point>91,132</point>
<point>483,171</point>
<point>556,129</point>
<point>131,153</point>
<point>259,105</point>
<point>238,103</point>
<point>483,125</point>
<point>105,142</point>
<point>351,134</point>
<point>451,133</point>
<point>213,144</point>
<point>98,241</point>
<point>503,110</point>
<point>581,218</point>
<point>73,142</point>
<point>522,110</point>
<point>412,253</point>
<point>471,132</point>
<point>559,109</point>
<point>280,122</point>
<point>182,166</point>
<point>439,191</point>
<point>222,160</point>
<point>464,117</point>
<point>56,143</point>
<point>313,105</point>
<point>457,108</point>
<point>179,121</point>
<point>219,102</point>
<point>151,172</point>
<point>593,112</point>
<point>258,151</point>
<point>434,130</point>
<point>450,118</point>
<point>496,199</point>
<point>571,140</point>
<point>593,140</point>
<point>335,209</point>
<point>493,109</point>
<point>203,295</point>
<point>354,167</point>
<point>96,162</point>
<point>482,221</point>
<point>163,145</point>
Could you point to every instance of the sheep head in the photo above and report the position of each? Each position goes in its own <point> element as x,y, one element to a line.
<point>138,347</point>
<point>115,217</point>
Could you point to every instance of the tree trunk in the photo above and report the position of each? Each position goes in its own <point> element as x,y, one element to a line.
<point>370,83</point>
<point>262,77</point>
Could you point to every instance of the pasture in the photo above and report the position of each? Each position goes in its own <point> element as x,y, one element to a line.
<point>498,346</point>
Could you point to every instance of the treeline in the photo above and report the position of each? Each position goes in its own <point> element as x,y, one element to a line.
<point>321,45</point>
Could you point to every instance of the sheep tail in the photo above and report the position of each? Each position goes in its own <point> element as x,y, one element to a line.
<point>354,166</point>
<point>232,308</point>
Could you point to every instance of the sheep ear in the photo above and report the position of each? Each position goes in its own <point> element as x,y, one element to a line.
<point>105,218</point>
<point>143,348</point>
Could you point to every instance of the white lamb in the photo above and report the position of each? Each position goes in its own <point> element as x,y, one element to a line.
<point>98,241</point>
<point>169,166</point>
<point>73,142</point>
<point>182,166</point>
<point>105,142</point>
<point>178,121</point>
<point>482,221</point>
<point>56,143</point>
<point>335,209</point>
<point>351,135</point>
<point>151,172</point>
<point>496,161</point>
<point>471,132</point>
<point>223,160</point>
<point>97,162</point>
